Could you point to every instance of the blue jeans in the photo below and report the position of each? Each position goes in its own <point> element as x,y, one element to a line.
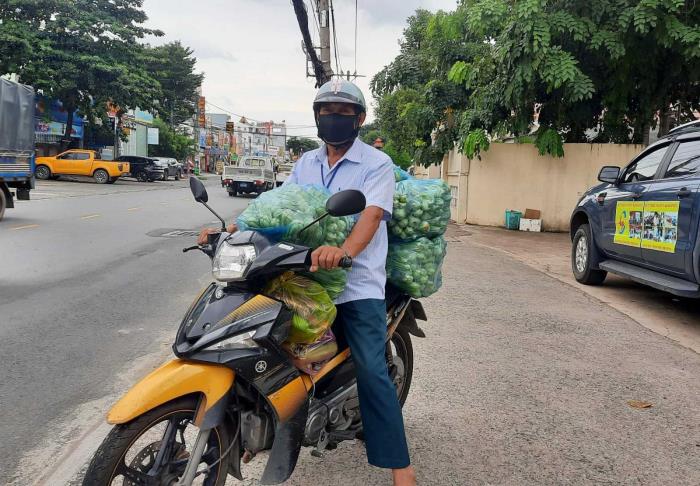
<point>362,325</point>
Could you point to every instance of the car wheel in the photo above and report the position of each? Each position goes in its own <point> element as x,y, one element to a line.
<point>165,176</point>
<point>581,258</point>
<point>141,176</point>
<point>42,172</point>
<point>178,176</point>
<point>101,176</point>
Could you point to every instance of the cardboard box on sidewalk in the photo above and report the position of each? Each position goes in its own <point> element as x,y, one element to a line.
<point>531,220</point>
<point>530,224</point>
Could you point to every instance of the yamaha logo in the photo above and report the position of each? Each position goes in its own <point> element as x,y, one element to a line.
<point>260,366</point>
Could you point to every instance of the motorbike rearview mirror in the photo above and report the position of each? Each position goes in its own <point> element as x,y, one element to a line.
<point>200,195</point>
<point>346,203</point>
<point>198,190</point>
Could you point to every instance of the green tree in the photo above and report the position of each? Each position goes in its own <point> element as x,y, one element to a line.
<point>83,52</point>
<point>490,67</point>
<point>170,142</point>
<point>172,64</point>
<point>299,145</point>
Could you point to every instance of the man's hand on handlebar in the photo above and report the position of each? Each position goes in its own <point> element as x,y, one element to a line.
<point>326,257</point>
<point>203,238</point>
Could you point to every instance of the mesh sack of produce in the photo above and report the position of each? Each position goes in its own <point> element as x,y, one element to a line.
<point>314,311</point>
<point>416,266</point>
<point>421,208</point>
<point>332,280</point>
<point>400,174</point>
<point>310,358</point>
<point>282,213</point>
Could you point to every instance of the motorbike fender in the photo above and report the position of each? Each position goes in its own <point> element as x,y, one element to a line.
<point>175,379</point>
<point>284,454</point>
<point>409,319</point>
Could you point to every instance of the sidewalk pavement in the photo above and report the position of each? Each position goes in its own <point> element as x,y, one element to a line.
<point>663,313</point>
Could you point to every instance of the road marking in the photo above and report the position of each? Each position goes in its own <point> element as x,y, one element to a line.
<point>133,209</point>
<point>26,226</point>
<point>90,216</point>
<point>164,203</point>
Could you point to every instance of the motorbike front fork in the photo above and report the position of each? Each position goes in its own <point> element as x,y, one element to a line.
<point>195,458</point>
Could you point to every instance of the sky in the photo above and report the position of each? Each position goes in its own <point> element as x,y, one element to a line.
<point>250,50</point>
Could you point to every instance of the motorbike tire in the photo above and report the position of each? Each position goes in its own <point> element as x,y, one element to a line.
<point>401,340</point>
<point>103,467</point>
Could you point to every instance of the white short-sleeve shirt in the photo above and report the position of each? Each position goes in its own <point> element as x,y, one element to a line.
<point>368,170</point>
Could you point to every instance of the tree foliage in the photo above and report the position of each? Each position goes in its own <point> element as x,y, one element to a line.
<point>171,143</point>
<point>173,65</point>
<point>604,70</point>
<point>299,145</point>
<point>87,53</point>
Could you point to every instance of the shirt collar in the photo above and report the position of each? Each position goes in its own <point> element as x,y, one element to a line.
<point>354,154</point>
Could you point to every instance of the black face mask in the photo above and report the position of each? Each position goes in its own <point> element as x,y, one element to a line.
<point>338,130</point>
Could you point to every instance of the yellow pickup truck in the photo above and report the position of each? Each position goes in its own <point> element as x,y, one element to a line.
<point>80,163</point>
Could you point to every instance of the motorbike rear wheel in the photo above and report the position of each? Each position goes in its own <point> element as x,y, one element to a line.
<point>399,356</point>
<point>129,454</point>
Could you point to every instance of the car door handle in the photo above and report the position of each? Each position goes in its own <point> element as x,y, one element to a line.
<point>685,192</point>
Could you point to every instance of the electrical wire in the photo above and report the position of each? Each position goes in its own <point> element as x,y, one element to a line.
<point>338,65</point>
<point>355,36</point>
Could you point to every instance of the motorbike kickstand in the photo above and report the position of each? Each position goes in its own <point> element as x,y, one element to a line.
<point>321,444</point>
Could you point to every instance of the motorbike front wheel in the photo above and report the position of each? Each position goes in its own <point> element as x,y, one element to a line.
<point>134,453</point>
<point>399,357</point>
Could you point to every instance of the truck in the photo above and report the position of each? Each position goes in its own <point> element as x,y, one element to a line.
<point>252,175</point>
<point>283,172</point>
<point>642,222</point>
<point>16,143</point>
<point>78,162</point>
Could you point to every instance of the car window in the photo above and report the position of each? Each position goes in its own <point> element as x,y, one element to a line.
<point>645,168</point>
<point>686,160</point>
<point>80,156</point>
<point>255,162</point>
<point>68,156</point>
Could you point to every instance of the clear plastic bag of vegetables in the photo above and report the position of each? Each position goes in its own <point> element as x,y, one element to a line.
<point>314,311</point>
<point>400,174</point>
<point>282,213</point>
<point>421,208</point>
<point>332,280</point>
<point>416,266</point>
<point>310,358</point>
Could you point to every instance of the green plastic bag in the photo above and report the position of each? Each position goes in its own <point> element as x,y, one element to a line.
<point>314,311</point>
<point>282,213</point>
<point>416,267</point>
<point>332,280</point>
<point>421,208</point>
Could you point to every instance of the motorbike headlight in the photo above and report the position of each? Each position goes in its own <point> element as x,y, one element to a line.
<point>240,341</point>
<point>231,262</point>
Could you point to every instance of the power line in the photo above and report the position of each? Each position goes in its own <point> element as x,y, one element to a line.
<point>355,36</point>
<point>338,66</point>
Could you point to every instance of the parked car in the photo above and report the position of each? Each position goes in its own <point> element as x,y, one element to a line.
<point>283,172</point>
<point>80,163</point>
<point>252,174</point>
<point>642,222</point>
<point>142,168</point>
<point>170,167</point>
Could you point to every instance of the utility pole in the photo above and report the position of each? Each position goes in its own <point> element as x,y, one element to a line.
<point>325,36</point>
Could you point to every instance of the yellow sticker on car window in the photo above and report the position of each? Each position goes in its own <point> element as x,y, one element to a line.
<point>652,225</point>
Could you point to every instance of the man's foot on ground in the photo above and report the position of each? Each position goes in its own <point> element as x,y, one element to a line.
<point>405,476</point>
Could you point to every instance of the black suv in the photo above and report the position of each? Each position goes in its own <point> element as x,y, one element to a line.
<point>142,168</point>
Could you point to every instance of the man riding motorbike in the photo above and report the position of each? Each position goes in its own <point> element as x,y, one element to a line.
<point>345,162</point>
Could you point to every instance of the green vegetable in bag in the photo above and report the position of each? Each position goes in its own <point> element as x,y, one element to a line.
<point>421,208</point>
<point>314,310</point>
<point>282,213</point>
<point>332,280</point>
<point>416,267</point>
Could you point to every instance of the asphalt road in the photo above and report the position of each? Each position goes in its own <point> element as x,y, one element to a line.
<point>86,289</point>
<point>522,380</point>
